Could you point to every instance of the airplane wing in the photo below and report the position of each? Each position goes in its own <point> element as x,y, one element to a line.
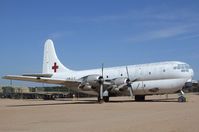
<point>38,75</point>
<point>67,83</point>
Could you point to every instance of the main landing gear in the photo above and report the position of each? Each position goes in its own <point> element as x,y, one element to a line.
<point>105,97</point>
<point>182,97</point>
<point>139,98</point>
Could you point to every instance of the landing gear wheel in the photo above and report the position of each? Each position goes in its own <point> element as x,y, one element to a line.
<point>106,98</point>
<point>100,100</point>
<point>182,99</point>
<point>139,98</point>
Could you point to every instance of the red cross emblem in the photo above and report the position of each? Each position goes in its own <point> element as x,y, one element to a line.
<point>55,67</point>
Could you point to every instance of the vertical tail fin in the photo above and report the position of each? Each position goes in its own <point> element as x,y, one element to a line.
<point>51,63</point>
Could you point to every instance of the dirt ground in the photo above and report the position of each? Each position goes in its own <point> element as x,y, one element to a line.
<point>85,115</point>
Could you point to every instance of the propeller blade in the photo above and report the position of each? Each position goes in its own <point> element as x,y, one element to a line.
<point>102,69</point>
<point>129,83</point>
<point>131,91</point>
<point>101,91</point>
<point>127,71</point>
<point>101,87</point>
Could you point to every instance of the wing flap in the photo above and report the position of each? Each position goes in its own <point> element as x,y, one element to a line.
<point>67,83</point>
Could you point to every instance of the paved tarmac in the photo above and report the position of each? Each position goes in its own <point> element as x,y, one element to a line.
<point>85,115</point>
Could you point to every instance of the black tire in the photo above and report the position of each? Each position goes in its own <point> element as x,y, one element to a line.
<point>106,98</point>
<point>139,98</point>
<point>182,99</point>
<point>100,100</point>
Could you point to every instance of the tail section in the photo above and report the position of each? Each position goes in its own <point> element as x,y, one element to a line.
<point>51,63</point>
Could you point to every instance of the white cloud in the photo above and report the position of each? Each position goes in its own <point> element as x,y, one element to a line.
<point>159,34</point>
<point>191,36</point>
<point>161,23</point>
<point>164,24</point>
<point>145,15</point>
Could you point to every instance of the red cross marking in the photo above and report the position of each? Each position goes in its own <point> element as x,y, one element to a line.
<point>55,67</point>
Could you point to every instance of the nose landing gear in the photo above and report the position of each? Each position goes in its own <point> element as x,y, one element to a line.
<point>182,97</point>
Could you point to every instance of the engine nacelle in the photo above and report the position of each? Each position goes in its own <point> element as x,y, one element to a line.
<point>85,87</point>
<point>92,80</point>
<point>121,81</point>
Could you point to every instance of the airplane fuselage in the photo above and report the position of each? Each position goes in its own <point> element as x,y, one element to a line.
<point>153,78</point>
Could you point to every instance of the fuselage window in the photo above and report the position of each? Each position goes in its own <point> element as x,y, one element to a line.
<point>106,76</point>
<point>182,67</point>
<point>164,70</point>
<point>121,74</point>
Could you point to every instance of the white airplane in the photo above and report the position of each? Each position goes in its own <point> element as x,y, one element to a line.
<point>140,80</point>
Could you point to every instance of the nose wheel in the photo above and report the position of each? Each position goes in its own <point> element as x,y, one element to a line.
<point>182,97</point>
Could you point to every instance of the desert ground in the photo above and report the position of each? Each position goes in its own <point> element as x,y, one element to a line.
<point>121,114</point>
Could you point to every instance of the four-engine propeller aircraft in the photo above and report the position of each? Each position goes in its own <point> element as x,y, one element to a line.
<point>140,80</point>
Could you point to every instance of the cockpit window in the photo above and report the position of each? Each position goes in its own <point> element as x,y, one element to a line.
<point>182,67</point>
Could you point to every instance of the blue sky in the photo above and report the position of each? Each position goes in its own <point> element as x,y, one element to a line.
<point>87,33</point>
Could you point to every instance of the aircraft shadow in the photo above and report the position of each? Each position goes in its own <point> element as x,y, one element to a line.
<point>149,100</point>
<point>69,102</point>
<point>51,104</point>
